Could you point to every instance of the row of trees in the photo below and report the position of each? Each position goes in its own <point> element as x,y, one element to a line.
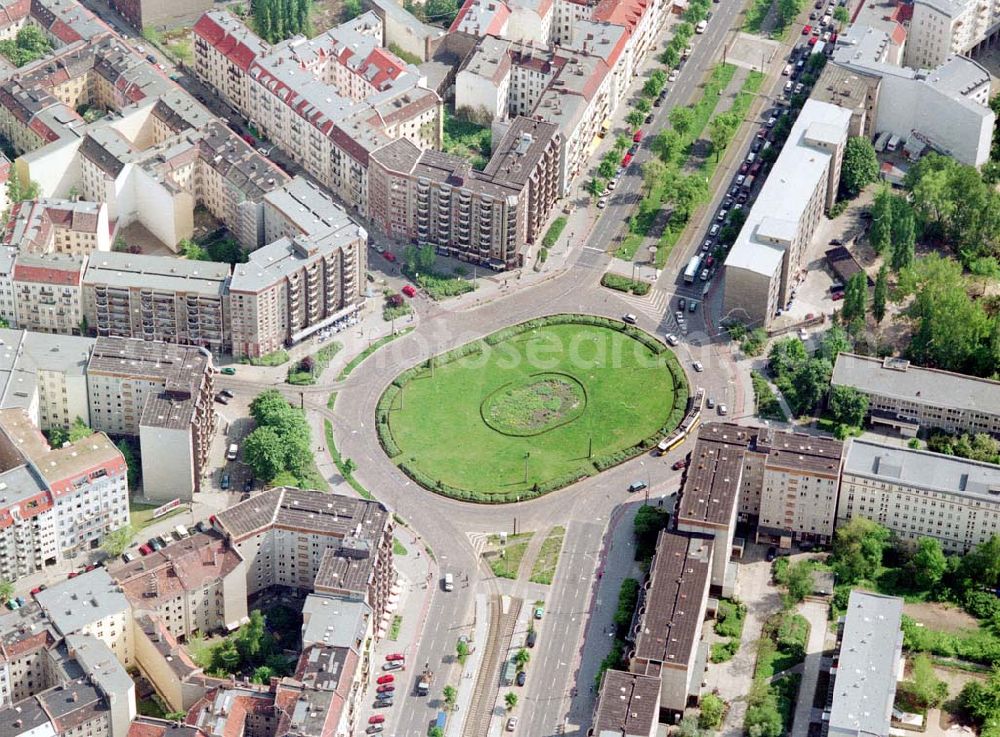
<point>893,233</point>
<point>979,447</point>
<point>276,20</point>
<point>226,250</point>
<point>279,450</point>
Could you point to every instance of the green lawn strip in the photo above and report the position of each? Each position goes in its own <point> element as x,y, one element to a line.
<point>782,646</point>
<point>555,230</point>
<point>142,514</point>
<point>276,358</point>
<point>346,472</point>
<point>624,284</point>
<point>545,564</point>
<point>354,362</point>
<point>427,412</point>
<point>405,55</point>
<point>332,400</point>
<point>397,624</point>
<point>306,371</point>
<point>441,286</point>
<point>649,206</point>
<point>397,547</point>
<point>505,560</point>
<point>768,406</point>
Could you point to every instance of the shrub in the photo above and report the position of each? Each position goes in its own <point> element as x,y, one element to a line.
<point>552,234</point>
<point>712,708</point>
<point>724,651</point>
<point>729,618</point>
<point>793,634</point>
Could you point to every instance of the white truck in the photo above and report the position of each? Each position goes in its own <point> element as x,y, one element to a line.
<point>691,272</point>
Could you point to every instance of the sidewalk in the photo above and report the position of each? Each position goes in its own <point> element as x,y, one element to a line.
<point>815,612</point>
<point>467,675</point>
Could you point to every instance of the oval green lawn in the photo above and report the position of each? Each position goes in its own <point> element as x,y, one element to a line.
<point>438,425</point>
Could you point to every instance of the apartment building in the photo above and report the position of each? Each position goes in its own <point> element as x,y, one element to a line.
<point>284,534</point>
<point>166,664</point>
<point>574,90</point>
<point>194,585</point>
<point>672,608</point>
<point>628,705</point>
<point>862,687</point>
<point>919,494</point>
<point>76,228</point>
<point>26,641</point>
<point>7,301</point>
<point>92,604</point>
<point>709,490</point>
<point>801,186</point>
<point>162,394</point>
<point>944,106</point>
<point>47,292</point>
<point>157,299</point>
<point>907,398</point>
<point>487,217</point>
<point>82,690</point>
<point>941,28</point>
<point>45,375</point>
<point>328,102</point>
<point>310,274</point>
<point>800,480</point>
<point>58,500</point>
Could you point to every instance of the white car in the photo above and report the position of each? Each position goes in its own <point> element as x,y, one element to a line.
<point>672,339</point>
<point>803,334</point>
<point>723,410</point>
<point>672,77</point>
<point>602,203</point>
<point>512,724</point>
<point>629,318</point>
<point>697,367</point>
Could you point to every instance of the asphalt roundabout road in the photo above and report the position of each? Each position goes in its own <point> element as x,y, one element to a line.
<point>531,408</point>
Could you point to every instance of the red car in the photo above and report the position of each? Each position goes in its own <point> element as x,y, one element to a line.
<point>806,30</point>
<point>74,574</point>
<point>627,160</point>
<point>755,169</point>
<point>385,688</point>
<point>36,590</point>
<point>678,465</point>
<point>395,656</point>
<point>376,719</point>
<point>145,550</point>
<point>744,168</point>
<point>387,678</point>
<point>813,40</point>
<point>836,296</point>
<point>762,133</point>
<point>390,256</point>
<point>637,137</point>
<point>409,291</point>
<point>248,138</point>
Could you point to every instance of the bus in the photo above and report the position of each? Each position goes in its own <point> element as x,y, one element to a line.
<point>691,272</point>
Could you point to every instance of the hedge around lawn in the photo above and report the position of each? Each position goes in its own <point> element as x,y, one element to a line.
<point>586,469</point>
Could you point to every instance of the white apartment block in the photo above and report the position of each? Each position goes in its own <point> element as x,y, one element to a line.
<point>908,398</point>
<point>56,501</point>
<point>91,604</point>
<point>941,28</point>
<point>8,302</point>
<point>801,186</point>
<point>919,494</point>
<point>45,375</point>
<point>47,295</point>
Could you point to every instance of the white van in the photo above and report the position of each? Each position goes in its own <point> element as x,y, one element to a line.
<point>702,25</point>
<point>231,454</point>
<point>449,582</point>
<point>893,144</point>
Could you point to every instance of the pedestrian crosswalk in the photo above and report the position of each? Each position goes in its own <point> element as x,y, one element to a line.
<point>478,541</point>
<point>653,304</point>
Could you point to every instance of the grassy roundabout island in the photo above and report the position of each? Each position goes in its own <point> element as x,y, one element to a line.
<point>531,408</point>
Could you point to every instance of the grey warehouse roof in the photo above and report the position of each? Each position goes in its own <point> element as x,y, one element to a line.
<point>81,601</point>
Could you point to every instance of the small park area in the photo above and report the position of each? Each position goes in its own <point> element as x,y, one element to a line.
<point>532,408</point>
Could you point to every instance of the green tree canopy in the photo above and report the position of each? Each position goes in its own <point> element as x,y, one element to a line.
<point>117,541</point>
<point>858,546</point>
<point>848,406</point>
<point>928,564</point>
<point>859,167</point>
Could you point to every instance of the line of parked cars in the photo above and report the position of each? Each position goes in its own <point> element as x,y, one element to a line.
<point>161,541</point>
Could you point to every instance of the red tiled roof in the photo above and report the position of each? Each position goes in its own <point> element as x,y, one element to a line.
<point>626,13</point>
<point>43,274</point>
